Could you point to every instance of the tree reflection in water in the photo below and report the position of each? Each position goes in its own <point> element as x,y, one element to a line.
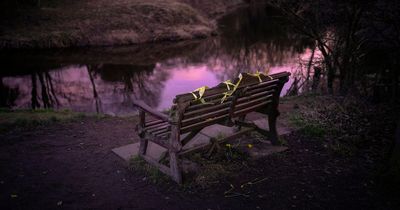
<point>106,80</point>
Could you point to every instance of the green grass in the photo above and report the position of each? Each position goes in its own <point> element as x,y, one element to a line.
<point>137,163</point>
<point>10,119</point>
<point>309,127</point>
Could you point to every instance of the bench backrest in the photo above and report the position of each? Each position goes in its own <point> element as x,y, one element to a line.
<point>251,95</point>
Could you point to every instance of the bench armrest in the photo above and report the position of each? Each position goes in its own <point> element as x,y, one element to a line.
<point>142,105</point>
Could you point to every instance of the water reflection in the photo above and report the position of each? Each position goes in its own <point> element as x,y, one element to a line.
<point>106,80</point>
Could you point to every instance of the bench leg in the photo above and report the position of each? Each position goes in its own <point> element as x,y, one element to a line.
<point>175,171</point>
<point>143,146</point>
<point>273,133</point>
<point>239,127</point>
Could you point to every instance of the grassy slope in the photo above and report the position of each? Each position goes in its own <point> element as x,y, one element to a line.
<point>10,119</point>
<point>105,22</point>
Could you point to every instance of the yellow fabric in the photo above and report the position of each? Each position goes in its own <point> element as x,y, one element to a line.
<point>257,74</point>
<point>228,84</point>
<point>201,91</point>
<point>229,92</point>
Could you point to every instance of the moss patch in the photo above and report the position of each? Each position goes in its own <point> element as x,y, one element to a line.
<point>29,118</point>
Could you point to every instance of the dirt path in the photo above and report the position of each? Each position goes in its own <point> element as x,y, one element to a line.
<point>72,163</point>
<point>71,166</point>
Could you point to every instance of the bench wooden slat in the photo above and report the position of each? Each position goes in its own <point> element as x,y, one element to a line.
<point>208,104</point>
<point>251,103</point>
<point>203,124</point>
<point>205,117</point>
<point>155,130</point>
<point>208,109</point>
<point>251,109</point>
<point>263,84</point>
<point>248,97</point>
<point>156,126</point>
<point>162,131</point>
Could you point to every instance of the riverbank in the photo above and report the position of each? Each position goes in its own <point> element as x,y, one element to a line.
<point>69,164</point>
<point>110,23</point>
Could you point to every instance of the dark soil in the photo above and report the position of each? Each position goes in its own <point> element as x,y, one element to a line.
<point>70,165</point>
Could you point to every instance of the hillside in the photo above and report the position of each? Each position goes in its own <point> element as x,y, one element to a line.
<point>105,23</point>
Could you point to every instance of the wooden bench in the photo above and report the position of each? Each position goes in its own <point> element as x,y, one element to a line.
<point>189,116</point>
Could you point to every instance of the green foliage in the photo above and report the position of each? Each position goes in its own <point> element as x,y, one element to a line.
<point>22,119</point>
<point>345,124</point>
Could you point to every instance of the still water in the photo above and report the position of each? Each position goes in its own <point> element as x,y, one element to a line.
<point>106,80</point>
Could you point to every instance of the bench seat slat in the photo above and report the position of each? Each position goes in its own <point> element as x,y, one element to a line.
<point>201,111</point>
<point>263,84</point>
<point>203,124</point>
<point>161,131</point>
<point>254,96</point>
<point>261,89</point>
<point>208,104</point>
<point>155,127</point>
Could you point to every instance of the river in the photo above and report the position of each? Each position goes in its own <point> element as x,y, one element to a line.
<point>107,79</point>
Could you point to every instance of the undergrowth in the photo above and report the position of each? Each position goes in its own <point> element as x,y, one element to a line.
<point>345,124</point>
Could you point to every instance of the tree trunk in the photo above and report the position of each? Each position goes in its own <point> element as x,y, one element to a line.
<point>395,160</point>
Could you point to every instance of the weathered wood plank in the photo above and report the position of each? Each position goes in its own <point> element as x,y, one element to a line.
<point>255,96</point>
<point>205,117</point>
<point>156,128</point>
<point>251,109</point>
<point>153,122</point>
<point>150,110</point>
<point>258,90</point>
<point>197,112</point>
<point>161,131</point>
<point>251,103</point>
<point>203,124</point>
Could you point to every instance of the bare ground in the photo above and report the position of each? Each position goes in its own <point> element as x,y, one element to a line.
<point>70,165</point>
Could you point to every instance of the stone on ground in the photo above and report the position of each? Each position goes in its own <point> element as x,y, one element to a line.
<point>203,138</point>
<point>131,150</point>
